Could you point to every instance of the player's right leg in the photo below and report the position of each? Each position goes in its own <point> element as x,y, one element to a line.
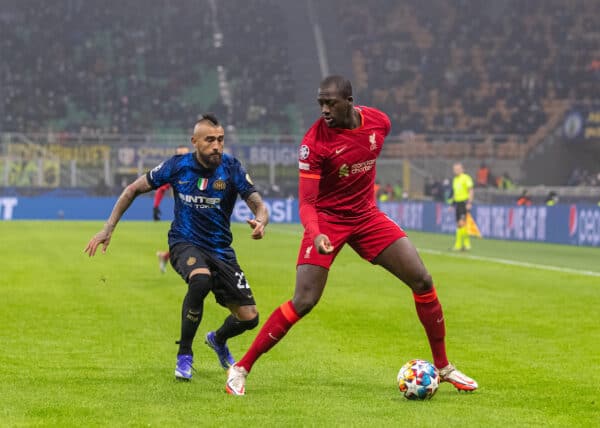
<point>311,276</point>
<point>310,283</point>
<point>191,265</point>
<point>199,285</point>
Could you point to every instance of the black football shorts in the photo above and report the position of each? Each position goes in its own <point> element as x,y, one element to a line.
<point>229,282</point>
<point>461,210</point>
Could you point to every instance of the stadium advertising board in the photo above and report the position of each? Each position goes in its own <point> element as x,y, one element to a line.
<point>129,158</point>
<point>561,224</point>
<point>76,208</point>
<point>267,154</point>
<point>582,123</point>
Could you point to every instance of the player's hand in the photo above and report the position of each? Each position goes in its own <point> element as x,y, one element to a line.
<point>156,213</point>
<point>323,244</point>
<point>102,237</point>
<point>258,228</point>
<point>469,205</point>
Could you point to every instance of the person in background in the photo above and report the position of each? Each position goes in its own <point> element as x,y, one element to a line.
<point>483,176</point>
<point>507,182</point>
<point>160,192</point>
<point>551,199</point>
<point>524,199</point>
<point>462,197</point>
<point>163,256</point>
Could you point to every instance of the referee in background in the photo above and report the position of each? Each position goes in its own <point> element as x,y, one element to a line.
<point>462,189</point>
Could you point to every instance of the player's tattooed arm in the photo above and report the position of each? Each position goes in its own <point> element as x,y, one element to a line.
<point>258,208</point>
<point>261,215</point>
<point>128,195</point>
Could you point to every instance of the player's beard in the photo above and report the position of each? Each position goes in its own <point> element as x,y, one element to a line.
<point>211,161</point>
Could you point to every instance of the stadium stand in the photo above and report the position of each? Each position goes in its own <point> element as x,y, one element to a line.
<point>460,79</point>
<point>104,67</point>
<point>258,66</point>
<point>505,68</point>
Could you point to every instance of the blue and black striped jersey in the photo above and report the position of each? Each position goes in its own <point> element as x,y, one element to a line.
<point>204,200</point>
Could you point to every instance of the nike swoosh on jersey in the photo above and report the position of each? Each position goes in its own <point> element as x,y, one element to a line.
<point>338,151</point>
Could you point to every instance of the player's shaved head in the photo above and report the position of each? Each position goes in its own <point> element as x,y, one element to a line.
<point>340,83</point>
<point>208,139</point>
<point>207,119</point>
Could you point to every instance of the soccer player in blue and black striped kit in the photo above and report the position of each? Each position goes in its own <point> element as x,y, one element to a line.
<point>205,183</point>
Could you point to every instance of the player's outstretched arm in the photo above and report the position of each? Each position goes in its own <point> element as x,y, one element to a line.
<point>131,192</point>
<point>261,215</point>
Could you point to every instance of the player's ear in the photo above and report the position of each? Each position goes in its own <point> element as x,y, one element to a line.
<point>350,99</point>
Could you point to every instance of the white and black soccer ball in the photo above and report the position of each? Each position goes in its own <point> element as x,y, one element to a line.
<point>418,380</point>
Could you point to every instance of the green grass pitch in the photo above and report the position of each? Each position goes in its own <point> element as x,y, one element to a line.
<point>90,342</point>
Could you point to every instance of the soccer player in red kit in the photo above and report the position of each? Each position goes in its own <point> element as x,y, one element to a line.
<point>337,174</point>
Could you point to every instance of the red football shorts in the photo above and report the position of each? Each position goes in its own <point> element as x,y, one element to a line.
<point>368,237</point>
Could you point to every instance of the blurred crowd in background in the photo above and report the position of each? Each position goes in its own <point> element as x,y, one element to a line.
<point>440,66</point>
<point>501,69</point>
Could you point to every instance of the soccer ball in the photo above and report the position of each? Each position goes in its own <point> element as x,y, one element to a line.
<point>418,380</point>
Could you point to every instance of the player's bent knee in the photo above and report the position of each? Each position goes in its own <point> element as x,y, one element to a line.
<point>244,313</point>
<point>304,306</point>
<point>423,284</point>
<point>250,324</point>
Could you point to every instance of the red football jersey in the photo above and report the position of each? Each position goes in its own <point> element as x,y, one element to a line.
<point>343,160</point>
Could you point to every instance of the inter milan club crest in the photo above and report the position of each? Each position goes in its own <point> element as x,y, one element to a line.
<point>202,183</point>
<point>219,185</point>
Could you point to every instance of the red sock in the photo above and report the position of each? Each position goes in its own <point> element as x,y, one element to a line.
<point>278,324</point>
<point>430,313</point>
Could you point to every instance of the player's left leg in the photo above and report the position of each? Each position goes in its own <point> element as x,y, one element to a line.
<point>241,319</point>
<point>383,242</point>
<point>401,259</point>
<point>231,289</point>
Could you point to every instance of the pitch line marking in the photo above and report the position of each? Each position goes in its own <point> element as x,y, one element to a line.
<point>510,262</point>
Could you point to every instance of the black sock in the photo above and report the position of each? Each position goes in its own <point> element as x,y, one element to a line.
<point>191,311</point>
<point>232,327</point>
